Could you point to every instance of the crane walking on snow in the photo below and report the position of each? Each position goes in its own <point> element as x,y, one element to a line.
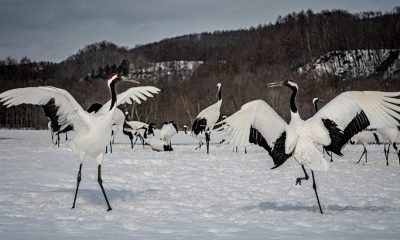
<point>92,130</point>
<point>332,127</point>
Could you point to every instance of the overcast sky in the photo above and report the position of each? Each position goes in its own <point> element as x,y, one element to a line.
<point>52,30</point>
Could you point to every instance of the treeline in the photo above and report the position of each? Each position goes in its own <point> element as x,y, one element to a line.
<point>242,60</point>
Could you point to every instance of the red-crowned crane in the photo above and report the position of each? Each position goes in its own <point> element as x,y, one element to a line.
<point>92,130</point>
<point>206,119</point>
<point>389,136</point>
<point>168,130</point>
<point>137,128</point>
<point>155,144</point>
<point>332,126</point>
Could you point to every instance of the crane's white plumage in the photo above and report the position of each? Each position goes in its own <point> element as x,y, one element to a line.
<point>136,94</point>
<point>211,113</point>
<point>254,113</point>
<point>137,127</point>
<point>206,119</point>
<point>118,121</point>
<point>69,110</point>
<point>365,137</point>
<point>389,134</point>
<point>157,144</point>
<point>381,108</point>
<point>168,130</point>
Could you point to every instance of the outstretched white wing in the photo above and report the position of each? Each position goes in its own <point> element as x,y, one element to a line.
<point>351,112</point>
<point>134,94</point>
<point>256,122</point>
<point>68,111</point>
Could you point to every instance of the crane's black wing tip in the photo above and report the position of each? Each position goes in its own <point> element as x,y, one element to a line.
<point>277,165</point>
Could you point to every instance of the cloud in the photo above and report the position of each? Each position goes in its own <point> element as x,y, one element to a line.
<point>54,29</point>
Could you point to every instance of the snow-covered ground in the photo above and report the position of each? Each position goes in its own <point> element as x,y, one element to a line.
<point>187,194</point>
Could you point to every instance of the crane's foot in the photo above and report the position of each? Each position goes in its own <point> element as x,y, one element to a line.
<point>299,179</point>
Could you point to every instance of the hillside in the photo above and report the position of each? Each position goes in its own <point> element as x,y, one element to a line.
<point>356,63</point>
<point>328,46</point>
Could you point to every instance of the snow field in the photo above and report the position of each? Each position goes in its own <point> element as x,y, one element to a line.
<point>187,194</point>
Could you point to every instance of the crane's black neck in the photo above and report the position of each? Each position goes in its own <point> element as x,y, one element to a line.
<point>145,133</point>
<point>113,94</point>
<point>316,106</point>
<point>293,107</point>
<point>219,94</point>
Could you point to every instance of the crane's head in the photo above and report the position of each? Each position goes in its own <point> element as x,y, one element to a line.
<point>316,100</point>
<point>115,77</point>
<point>290,83</point>
<point>219,86</point>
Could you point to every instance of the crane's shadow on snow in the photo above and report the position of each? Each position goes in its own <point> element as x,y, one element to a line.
<point>331,208</point>
<point>95,196</point>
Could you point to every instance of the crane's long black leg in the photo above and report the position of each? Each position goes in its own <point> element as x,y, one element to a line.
<point>110,147</point>
<point>102,188</point>
<point>245,150</point>
<point>66,136</point>
<point>315,190</point>
<point>366,154</point>
<point>361,155</point>
<point>397,150</point>
<point>78,180</point>
<point>131,138</point>
<point>331,157</point>
<point>135,142</point>
<point>329,154</point>
<point>52,137</point>
<point>387,155</point>
<point>200,144</point>
<point>58,140</point>
<point>298,180</point>
<point>208,142</point>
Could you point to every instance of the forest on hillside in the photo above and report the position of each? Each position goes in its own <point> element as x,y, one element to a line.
<point>244,61</point>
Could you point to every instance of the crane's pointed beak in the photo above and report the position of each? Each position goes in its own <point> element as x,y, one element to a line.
<point>321,100</point>
<point>275,84</point>
<point>125,79</point>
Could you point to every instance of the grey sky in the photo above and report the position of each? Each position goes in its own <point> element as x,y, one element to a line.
<point>55,29</point>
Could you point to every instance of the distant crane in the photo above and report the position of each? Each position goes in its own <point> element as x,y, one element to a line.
<point>137,128</point>
<point>389,136</point>
<point>92,130</point>
<point>206,119</point>
<point>332,126</point>
<point>156,144</point>
<point>53,126</point>
<point>168,130</point>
